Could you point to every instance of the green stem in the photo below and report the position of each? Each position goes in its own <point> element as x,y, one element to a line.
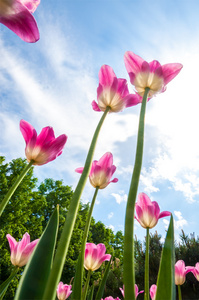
<point>62,249</point>
<point>86,285</point>
<point>5,284</point>
<point>129,272</point>
<point>179,293</point>
<point>146,276</point>
<point>14,186</point>
<point>80,265</point>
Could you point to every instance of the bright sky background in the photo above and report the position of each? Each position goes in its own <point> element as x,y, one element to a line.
<point>54,81</point>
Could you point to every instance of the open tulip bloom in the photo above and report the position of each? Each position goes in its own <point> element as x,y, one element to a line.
<point>151,75</point>
<point>43,148</point>
<point>111,298</point>
<point>113,92</point>
<point>95,256</point>
<point>17,16</point>
<point>101,171</point>
<point>181,271</point>
<point>137,292</point>
<point>21,251</point>
<point>63,291</point>
<point>148,212</point>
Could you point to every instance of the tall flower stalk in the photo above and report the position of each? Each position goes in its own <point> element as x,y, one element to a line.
<point>50,291</point>
<point>129,272</point>
<point>146,274</point>
<point>14,187</point>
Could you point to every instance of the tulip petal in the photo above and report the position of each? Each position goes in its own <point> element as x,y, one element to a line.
<point>164,214</point>
<point>170,71</point>
<point>106,76</point>
<point>79,170</point>
<point>31,5</point>
<point>95,106</point>
<point>12,242</point>
<point>133,62</point>
<point>29,133</point>
<point>21,22</point>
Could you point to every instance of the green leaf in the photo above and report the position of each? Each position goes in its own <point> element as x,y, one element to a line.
<point>90,295</point>
<point>5,284</point>
<point>166,276</point>
<point>100,291</point>
<point>36,273</point>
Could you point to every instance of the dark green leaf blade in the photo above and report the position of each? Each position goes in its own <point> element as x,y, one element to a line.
<point>166,276</point>
<point>36,273</point>
<point>100,291</point>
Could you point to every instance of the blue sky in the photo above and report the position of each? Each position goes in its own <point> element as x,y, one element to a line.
<point>54,81</point>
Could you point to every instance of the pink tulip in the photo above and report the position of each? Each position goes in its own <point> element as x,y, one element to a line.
<point>17,16</point>
<point>181,271</point>
<point>152,75</point>
<point>94,256</point>
<point>148,212</point>
<point>136,291</point>
<point>21,251</point>
<point>195,271</point>
<point>63,291</point>
<point>113,92</point>
<point>153,290</point>
<point>43,148</point>
<point>101,171</point>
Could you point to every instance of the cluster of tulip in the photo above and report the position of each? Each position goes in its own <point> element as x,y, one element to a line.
<point>113,96</point>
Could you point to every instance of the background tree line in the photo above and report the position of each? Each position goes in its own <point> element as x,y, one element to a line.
<point>30,209</point>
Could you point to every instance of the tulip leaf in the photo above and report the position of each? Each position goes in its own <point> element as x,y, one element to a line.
<point>5,284</point>
<point>100,291</point>
<point>36,273</point>
<point>166,276</point>
<point>90,295</point>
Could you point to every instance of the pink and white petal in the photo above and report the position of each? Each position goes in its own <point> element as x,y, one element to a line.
<point>139,212</point>
<point>156,209</point>
<point>114,180</point>
<point>101,249</point>
<point>23,243</point>
<point>12,242</point>
<point>30,247</point>
<point>46,136</point>
<point>122,87</point>
<point>106,257</point>
<point>164,214</point>
<point>133,62</point>
<point>55,148</point>
<point>79,170</point>
<point>189,269</point>
<point>31,5</point>
<point>154,65</point>
<point>29,133</point>
<point>95,106</point>
<point>170,71</point>
<point>143,200</point>
<point>106,161</point>
<point>22,23</point>
<point>106,76</point>
<point>132,99</point>
<point>145,68</point>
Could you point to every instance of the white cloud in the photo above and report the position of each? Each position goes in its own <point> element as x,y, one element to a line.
<point>110,215</point>
<point>180,222</point>
<point>121,197</point>
<point>111,227</point>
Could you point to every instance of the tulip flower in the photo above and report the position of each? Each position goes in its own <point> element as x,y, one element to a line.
<point>136,291</point>
<point>17,16</point>
<point>195,271</point>
<point>21,251</point>
<point>43,148</point>
<point>151,75</point>
<point>101,171</point>
<point>148,212</point>
<point>94,256</point>
<point>153,290</point>
<point>113,92</point>
<point>181,271</point>
<point>63,291</point>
